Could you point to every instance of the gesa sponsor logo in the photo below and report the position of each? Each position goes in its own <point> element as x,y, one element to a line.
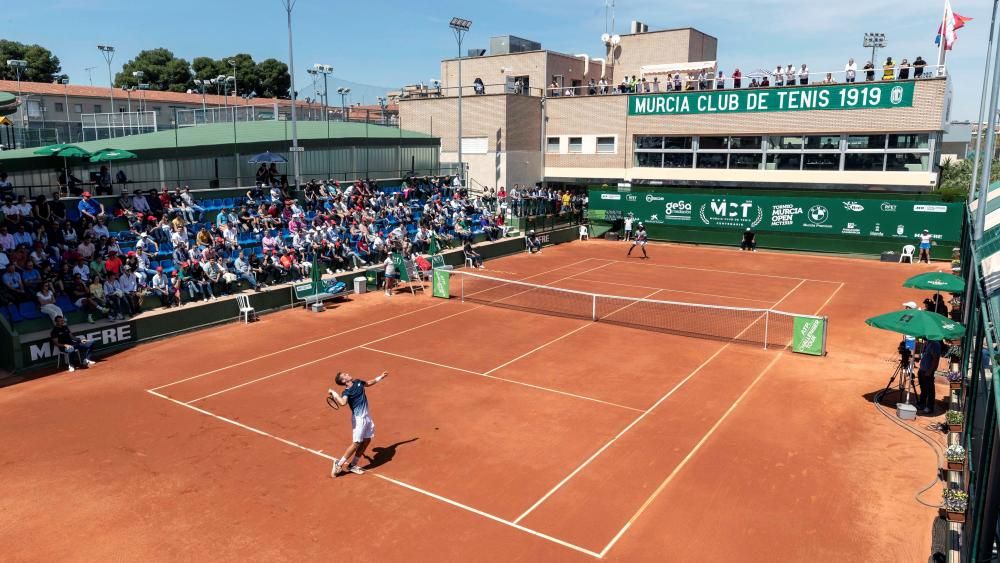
<point>613,197</point>
<point>677,211</point>
<point>784,214</point>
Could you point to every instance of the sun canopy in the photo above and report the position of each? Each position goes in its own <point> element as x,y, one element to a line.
<point>919,323</point>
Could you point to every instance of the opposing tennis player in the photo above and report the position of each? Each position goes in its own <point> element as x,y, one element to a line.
<point>640,241</point>
<point>362,425</point>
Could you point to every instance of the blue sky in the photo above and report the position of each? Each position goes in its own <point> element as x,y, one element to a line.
<point>391,43</point>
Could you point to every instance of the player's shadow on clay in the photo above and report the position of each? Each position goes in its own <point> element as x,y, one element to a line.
<point>384,454</point>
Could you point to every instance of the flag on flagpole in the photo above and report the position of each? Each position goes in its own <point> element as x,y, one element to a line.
<point>950,24</point>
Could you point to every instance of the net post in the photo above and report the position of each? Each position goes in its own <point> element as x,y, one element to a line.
<point>767,319</point>
<point>593,307</point>
<point>826,326</point>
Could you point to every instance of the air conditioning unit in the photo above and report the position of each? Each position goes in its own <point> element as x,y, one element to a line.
<point>476,52</point>
<point>639,27</point>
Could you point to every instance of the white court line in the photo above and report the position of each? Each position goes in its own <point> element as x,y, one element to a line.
<point>646,264</point>
<point>283,350</point>
<point>688,457</point>
<point>680,384</point>
<point>395,334</point>
<point>827,302</point>
<point>515,382</point>
<point>667,289</point>
<point>557,339</point>
<point>385,478</point>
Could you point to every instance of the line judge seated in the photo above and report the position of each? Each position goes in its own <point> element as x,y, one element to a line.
<point>749,241</point>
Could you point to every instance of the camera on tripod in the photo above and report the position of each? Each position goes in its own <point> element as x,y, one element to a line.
<point>905,354</point>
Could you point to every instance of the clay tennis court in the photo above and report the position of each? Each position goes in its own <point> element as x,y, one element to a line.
<point>501,434</point>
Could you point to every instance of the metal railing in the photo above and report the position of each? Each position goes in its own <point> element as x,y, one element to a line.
<point>687,82</point>
<point>305,112</point>
<point>97,126</point>
<point>438,91</point>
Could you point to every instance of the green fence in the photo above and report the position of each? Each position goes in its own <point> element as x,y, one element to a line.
<point>842,222</point>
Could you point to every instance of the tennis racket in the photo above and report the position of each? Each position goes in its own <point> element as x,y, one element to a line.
<point>332,402</point>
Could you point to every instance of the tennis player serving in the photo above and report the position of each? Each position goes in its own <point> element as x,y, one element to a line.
<point>640,241</point>
<point>362,426</point>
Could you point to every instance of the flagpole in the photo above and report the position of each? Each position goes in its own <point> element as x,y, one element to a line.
<point>942,37</point>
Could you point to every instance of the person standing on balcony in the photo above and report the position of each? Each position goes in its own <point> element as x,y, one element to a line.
<point>869,72</point>
<point>804,75</point>
<point>889,69</point>
<point>904,70</point>
<point>737,79</point>
<point>850,71</point>
<point>779,76</point>
<point>918,67</point>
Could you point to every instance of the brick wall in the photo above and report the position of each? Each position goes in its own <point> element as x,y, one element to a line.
<point>661,47</point>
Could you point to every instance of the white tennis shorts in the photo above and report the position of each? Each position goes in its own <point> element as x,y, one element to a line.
<point>638,243</point>
<point>362,428</point>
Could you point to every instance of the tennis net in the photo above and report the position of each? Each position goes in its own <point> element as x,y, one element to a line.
<point>766,327</point>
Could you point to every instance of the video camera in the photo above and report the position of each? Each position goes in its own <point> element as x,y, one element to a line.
<point>904,352</point>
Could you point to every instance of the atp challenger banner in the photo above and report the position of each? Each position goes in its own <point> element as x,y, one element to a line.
<point>867,218</point>
<point>808,335</point>
<point>863,95</point>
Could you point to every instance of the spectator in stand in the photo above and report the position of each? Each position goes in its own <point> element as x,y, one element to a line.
<point>918,67</point>
<point>889,69</point>
<point>6,186</point>
<point>779,76</point>
<point>84,297</point>
<point>850,71</point>
<point>720,81</point>
<point>216,277</point>
<point>904,70</point>
<point>243,271</point>
<point>47,302</point>
<point>104,181</point>
<point>869,69</point>
<point>829,79</point>
<point>803,75</point>
<point>114,293</point>
<point>656,84</point>
<point>790,75</point>
<point>7,243</point>
<point>13,285</point>
<point>90,208</point>
<point>677,81</point>
<point>198,282</point>
<point>31,278</point>
<point>77,349</point>
<point>737,79</point>
<point>133,292</point>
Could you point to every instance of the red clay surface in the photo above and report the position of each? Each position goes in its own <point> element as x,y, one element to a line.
<point>501,435</point>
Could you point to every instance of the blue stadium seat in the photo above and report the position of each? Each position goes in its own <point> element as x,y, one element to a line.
<point>228,202</point>
<point>168,265</point>
<point>12,313</point>
<point>29,311</point>
<point>64,303</point>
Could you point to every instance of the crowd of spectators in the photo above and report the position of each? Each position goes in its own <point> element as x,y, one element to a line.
<point>788,75</point>
<point>60,255</point>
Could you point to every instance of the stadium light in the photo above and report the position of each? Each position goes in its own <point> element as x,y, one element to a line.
<point>109,53</point>
<point>874,41</point>
<point>460,27</point>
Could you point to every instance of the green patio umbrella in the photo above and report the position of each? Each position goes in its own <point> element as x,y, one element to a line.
<point>63,151</point>
<point>937,281</point>
<point>108,155</point>
<point>918,323</point>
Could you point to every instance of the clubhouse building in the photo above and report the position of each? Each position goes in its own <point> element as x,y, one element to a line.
<point>531,115</point>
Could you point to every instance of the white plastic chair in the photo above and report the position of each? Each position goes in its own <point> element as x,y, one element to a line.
<point>908,251</point>
<point>584,233</point>
<point>61,356</point>
<point>246,311</point>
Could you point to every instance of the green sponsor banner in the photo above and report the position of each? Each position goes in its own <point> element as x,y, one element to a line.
<point>441,281</point>
<point>807,337</point>
<point>864,95</point>
<point>864,218</point>
<point>400,264</point>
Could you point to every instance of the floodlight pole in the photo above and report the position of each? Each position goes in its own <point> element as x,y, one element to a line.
<point>984,176</point>
<point>65,83</point>
<point>982,108</point>
<point>19,65</point>
<point>289,5</point>
<point>109,53</point>
<point>460,27</point>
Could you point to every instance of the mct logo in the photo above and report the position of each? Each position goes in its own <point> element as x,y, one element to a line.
<point>43,350</point>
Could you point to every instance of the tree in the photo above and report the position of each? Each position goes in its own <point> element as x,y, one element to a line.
<point>956,178</point>
<point>161,70</point>
<point>275,81</point>
<point>42,64</point>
